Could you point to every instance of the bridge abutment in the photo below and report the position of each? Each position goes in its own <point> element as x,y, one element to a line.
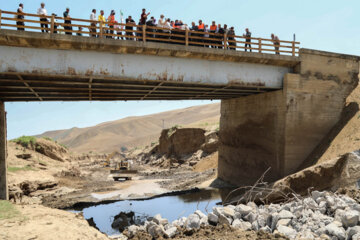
<point>4,194</point>
<point>281,129</point>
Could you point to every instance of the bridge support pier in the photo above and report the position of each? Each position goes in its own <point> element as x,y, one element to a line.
<point>281,129</point>
<point>4,194</point>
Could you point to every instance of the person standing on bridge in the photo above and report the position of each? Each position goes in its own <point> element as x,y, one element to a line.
<point>276,42</point>
<point>67,22</point>
<point>231,38</point>
<point>111,20</point>
<point>129,27</point>
<point>93,23</point>
<point>213,29</point>
<point>102,20</point>
<point>43,13</point>
<point>247,36</point>
<point>143,17</point>
<point>20,23</point>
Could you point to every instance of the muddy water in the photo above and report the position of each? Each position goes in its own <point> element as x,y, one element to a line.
<point>170,207</point>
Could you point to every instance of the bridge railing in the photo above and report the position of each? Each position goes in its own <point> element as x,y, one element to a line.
<point>60,25</point>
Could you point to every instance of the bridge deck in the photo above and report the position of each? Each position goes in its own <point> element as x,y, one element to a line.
<point>49,85</point>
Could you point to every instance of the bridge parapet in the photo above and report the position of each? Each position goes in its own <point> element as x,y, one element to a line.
<point>145,33</point>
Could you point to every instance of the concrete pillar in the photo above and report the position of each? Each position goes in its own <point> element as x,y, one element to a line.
<point>4,194</point>
<point>281,129</point>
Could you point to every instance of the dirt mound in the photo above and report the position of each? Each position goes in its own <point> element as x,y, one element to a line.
<point>333,175</point>
<point>209,162</point>
<point>178,142</point>
<point>51,149</point>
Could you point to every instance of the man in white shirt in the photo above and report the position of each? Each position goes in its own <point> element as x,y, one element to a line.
<point>93,24</point>
<point>43,13</point>
<point>20,23</point>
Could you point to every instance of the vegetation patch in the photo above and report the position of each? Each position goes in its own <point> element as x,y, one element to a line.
<point>25,141</point>
<point>16,169</point>
<point>7,210</point>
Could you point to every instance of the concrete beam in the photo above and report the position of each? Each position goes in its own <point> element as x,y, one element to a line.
<point>4,194</point>
<point>138,67</point>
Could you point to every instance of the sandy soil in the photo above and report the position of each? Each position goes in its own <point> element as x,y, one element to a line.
<point>38,222</point>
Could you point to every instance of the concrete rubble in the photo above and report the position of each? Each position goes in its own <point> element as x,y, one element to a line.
<point>321,215</point>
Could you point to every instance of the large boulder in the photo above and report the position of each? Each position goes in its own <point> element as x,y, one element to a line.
<point>51,149</point>
<point>180,142</point>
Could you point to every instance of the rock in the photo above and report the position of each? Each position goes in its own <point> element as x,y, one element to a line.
<point>316,194</point>
<point>171,232</point>
<point>350,218</point>
<point>274,220</point>
<point>225,220</point>
<point>200,214</point>
<point>255,226</point>
<point>339,213</point>
<point>213,219</point>
<point>310,204</point>
<point>334,230</point>
<point>159,220</point>
<point>356,236</point>
<point>286,214</point>
<point>322,207</point>
<point>218,210</point>
<point>287,231</point>
<point>284,222</point>
<point>251,217</point>
<point>204,221</point>
<point>241,224</point>
<point>237,215</point>
<point>193,221</point>
<point>229,212</point>
<point>352,231</point>
<point>133,229</point>
<point>243,209</point>
<point>306,235</point>
<point>265,229</point>
<point>156,231</point>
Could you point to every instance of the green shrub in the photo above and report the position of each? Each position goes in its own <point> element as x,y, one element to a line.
<point>7,210</point>
<point>25,141</point>
<point>16,169</point>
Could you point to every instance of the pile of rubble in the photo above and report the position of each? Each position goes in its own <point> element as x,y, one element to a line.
<point>323,215</point>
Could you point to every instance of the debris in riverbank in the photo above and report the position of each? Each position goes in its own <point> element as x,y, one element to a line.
<point>320,215</point>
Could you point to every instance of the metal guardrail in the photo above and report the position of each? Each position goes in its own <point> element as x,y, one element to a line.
<point>10,20</point>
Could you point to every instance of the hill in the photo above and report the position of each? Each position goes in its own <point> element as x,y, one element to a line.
<point>134,131</point>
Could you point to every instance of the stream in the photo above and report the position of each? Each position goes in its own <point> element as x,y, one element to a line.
<point>170,207</point>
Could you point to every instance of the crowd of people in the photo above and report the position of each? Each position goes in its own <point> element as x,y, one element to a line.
<point>201,34</point>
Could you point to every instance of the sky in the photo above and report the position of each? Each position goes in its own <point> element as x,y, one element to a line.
<point>327,25</point>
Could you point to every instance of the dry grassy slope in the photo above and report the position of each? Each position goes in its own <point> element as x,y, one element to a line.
<point>134,131</point>
<point>348,139</point>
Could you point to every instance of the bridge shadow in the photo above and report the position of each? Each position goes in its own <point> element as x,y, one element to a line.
<point>347,114</point>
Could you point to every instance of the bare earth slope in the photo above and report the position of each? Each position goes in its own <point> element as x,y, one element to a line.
<point>134,131</point>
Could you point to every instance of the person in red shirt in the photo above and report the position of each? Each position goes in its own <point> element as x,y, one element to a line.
<point>144,16</point>
<point>111,22</point>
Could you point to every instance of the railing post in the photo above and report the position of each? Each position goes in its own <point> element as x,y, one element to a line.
<point>144,33</point>
<point>293,48</point>
<point>187,37</point>
<point>260,45</point>
<point>0,18</point>
<point>101,29</point>
<point>225,40</point>
<point>52,24</point>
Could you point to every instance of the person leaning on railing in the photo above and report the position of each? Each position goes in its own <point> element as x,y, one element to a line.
<point>276,42</point>
<point>43,13</point>
<point>111,22</point>
<point>129,27</point>
<point>93,24</point>
<point>20,23</point>
<point>213,29</point>
<point>231,38</point>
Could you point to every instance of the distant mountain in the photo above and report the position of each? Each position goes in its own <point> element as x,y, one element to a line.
<point>134,131</point>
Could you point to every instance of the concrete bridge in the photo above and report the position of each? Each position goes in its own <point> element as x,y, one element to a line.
<point>275,109</point>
